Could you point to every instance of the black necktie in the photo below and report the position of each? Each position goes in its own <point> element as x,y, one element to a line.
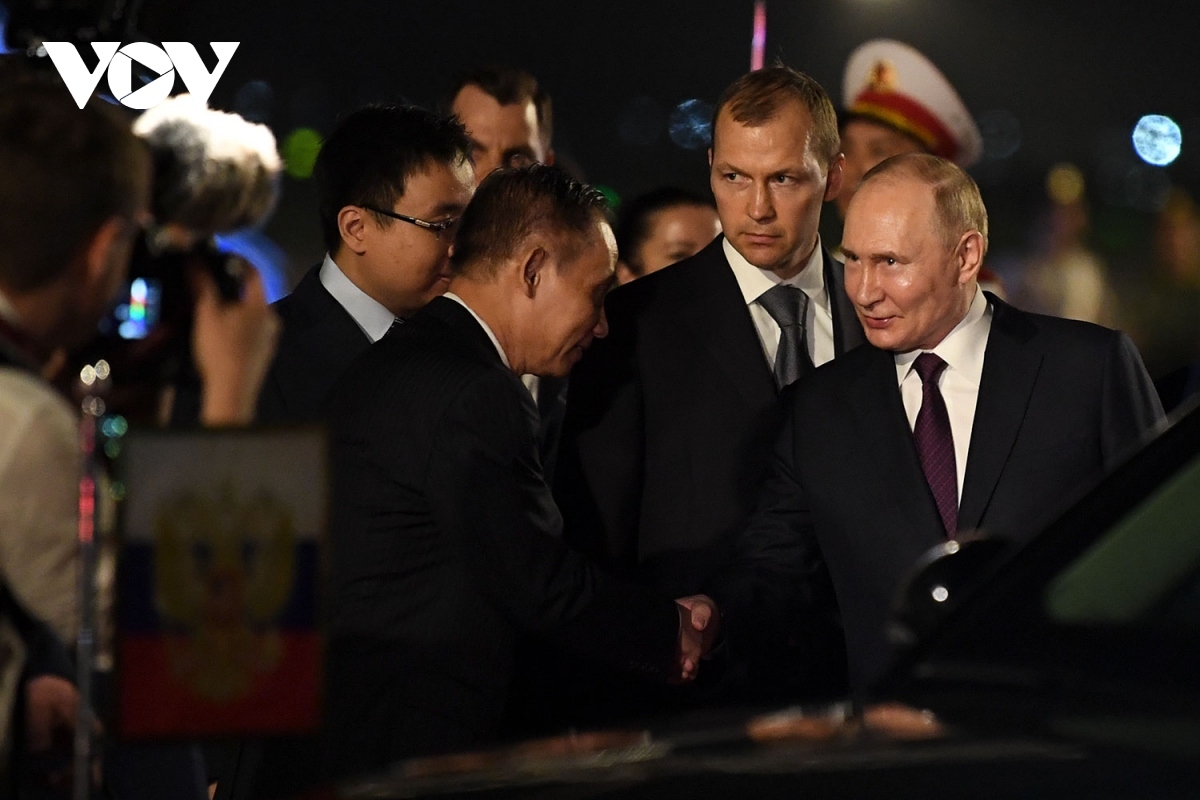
<point>935,443</point>
<point>396,323</point>
<point>788,306</point>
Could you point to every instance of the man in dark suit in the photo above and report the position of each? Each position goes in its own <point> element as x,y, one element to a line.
<point>392,182</point>
<point>510,121</point>
<point>445,540</point>
<point>962,414</point>
<point>670,420</point>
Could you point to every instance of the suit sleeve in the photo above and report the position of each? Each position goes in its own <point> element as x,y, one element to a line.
<point>487,492</point>
<point>776,593</point>
<point>601,467</point>
<point>1130,406</point>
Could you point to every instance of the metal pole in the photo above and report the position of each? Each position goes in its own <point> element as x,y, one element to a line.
<point>95,382</point>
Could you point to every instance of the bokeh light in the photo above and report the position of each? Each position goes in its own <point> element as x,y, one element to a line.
<point>690,124</point>
<point>299,151</point>
<point>1001,132</point>
<point>255,101</point>
<point>1157,139</point>
<point>1064,184</point>
<point>641,122</point>
<point>610,195</point>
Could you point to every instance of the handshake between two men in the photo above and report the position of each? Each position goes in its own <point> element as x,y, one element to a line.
<point>699,628</point>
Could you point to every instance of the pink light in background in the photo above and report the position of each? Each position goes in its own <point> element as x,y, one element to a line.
<point>758,43</point>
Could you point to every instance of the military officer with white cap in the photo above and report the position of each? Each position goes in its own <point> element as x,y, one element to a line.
<point>896,101</point>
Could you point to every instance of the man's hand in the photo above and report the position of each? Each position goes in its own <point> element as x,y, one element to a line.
<point>233,343</point>
<point>51,706</point>
<point>699,624</point>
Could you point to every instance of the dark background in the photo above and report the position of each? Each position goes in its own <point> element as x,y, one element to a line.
<point>1048,81</point>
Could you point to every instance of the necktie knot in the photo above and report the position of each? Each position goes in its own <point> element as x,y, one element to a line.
<point>930,367</point>
<point>787,305</point>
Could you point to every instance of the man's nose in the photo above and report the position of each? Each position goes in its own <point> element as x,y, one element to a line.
<point>761,205</point>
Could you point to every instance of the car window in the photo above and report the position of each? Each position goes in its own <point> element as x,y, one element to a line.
<point>1145,569</point>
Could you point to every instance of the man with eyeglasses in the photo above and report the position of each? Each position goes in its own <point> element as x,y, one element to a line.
<point>392,182</point>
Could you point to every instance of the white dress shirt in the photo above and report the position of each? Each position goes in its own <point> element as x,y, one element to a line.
<point>755,282</point>
<point>962,350</point>
<point>367,312</point>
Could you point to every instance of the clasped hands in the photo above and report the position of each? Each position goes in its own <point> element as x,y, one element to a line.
<point>699,626</point>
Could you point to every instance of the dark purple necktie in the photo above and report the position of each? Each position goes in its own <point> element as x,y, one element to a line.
<point>935,443</point>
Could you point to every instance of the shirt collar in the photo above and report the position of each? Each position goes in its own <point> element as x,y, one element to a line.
<point>963,348</point>
<point>368,313</point>
<point>482,324</point>
<point>755,282</point>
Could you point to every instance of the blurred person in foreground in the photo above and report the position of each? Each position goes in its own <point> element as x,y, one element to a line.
<point>392,183</point>
<point>895,101</point>
<point>662,227</point>
<point>1161,309</point>
<point>672,417</point>
<point>75,195</point>
<point>961,414</point>
<point>214,172</point>
<point>446,543</point>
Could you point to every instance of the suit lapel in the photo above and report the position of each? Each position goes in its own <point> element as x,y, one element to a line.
<point>847,330</point>
<point>875,399</point>
<point>714,313</point>
<point>1010,369</point>
<point>325,331</point>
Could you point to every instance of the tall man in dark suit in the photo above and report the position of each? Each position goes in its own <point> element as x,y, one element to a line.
<point>671,419</point>
<point>392,182</point>
<point>445,540</point>
<point>963,413</point>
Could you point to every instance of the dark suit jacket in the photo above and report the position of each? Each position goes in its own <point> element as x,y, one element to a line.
<point>1060,402</point>
<point>318,342</point>
<point>446,543</point>
<point>671,421</point>
<point>552,408</point>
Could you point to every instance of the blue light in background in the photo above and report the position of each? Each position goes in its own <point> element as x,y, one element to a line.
<point>4,30</point>
<point>690,124</point>
<point>267,257</point>
<point>1157,139</point>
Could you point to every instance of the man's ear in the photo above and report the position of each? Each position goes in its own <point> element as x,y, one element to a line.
<point>534,265</point>
<point>352,226</point>
<point>833,179</point>
<point>710,158</point>
<point>970,256</point>
<point>101,250</point>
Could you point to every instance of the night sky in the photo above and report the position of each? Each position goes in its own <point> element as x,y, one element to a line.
<point>1048,81</point>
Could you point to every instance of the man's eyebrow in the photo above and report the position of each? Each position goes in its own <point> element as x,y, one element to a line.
<point>448,208</point>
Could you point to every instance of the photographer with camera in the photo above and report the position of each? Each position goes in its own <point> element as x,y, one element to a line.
<point>74,195</point>
<point>214,172</point>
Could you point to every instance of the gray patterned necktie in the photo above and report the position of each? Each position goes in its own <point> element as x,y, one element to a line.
<point>788,306</point>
